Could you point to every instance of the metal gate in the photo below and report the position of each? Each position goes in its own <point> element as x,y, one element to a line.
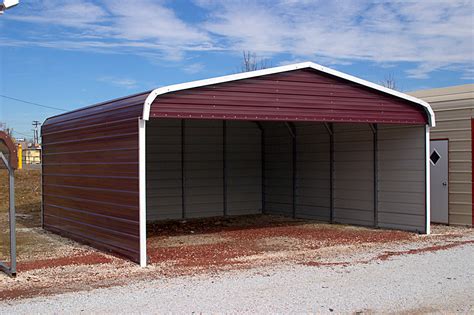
<point>11,269</point>
<point>439,181</point>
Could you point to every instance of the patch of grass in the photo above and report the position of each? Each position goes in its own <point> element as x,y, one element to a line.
<point>27,196</point>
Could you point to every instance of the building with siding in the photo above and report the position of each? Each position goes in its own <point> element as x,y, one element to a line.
<point>454,108</point>
<point>301,140</point>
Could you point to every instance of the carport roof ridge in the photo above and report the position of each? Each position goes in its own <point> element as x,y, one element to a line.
<point>153,94</point>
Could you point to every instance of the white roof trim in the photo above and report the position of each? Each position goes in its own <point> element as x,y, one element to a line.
<point>304,65</point>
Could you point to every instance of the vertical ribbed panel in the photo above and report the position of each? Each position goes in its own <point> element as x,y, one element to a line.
<point>312,193</point>
<point>353,174</point>
<point>278,169</point>
<point>163,169</point>
<point>401,197</point>
<point>244,168</point>
<point>204,168</point>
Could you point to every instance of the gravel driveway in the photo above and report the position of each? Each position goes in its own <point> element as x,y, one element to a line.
<point>426,282</point>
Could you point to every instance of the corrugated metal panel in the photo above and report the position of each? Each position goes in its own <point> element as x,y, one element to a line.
<point>90,175</point>
<point>291,96</point>
<point>244,168</point>
<point>164,186</point>
<point>401,177</point>
<point>313,171</point>
<point>353,174</point>
<point>204,168</point>
<point>454,108</point>
<point>278,169</point>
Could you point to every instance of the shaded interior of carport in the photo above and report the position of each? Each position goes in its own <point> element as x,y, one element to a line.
<point>301,141</point>
<point>298,144</point>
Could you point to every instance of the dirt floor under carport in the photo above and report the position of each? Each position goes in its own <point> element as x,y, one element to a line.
<point>50,264</point>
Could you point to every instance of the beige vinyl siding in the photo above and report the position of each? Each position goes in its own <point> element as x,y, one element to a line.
<point>163,170</point>
<point>313,171</point>
<point>453,107</point>
<point>278,169</point>
<point>353,174</point>
<point>243,168</point>
<point>401,177</point>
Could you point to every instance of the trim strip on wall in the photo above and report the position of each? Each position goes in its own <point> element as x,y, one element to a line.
<point>427,181</point>
<point>330,129</point>
<point>374,128</point>
<point>224,166</point>
<point>183,173</point>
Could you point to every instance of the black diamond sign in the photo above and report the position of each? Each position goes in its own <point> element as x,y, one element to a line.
<point>434,157</point>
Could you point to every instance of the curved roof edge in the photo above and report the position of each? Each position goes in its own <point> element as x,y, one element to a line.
<point>304,65</point>
<point>12,152</point>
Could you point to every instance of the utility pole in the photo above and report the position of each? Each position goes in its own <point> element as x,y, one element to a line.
<point>35,124</point>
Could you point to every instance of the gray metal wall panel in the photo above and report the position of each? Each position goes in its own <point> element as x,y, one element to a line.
<point>243,168</point>
<point>278,169</point>
<point>203,165</point>
<point>163,158</point>
<point>353,174</point>
<point>313,171</point>
<point>401,188</point>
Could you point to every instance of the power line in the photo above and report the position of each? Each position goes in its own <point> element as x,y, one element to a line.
<point>20,133</point>
<point>33,103</point>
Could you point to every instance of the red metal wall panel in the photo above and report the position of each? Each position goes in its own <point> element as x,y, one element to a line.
<point>90,175</point>
<point>300,95</point>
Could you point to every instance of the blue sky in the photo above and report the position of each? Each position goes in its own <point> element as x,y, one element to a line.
<point>71,53</point>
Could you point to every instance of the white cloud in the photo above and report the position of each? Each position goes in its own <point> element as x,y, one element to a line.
<point>140,26</point>
<point>120,82</point>
<point>193,68</point>
<point>431,35</point>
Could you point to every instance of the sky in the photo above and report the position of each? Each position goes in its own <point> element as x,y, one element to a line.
<point>68,54</point>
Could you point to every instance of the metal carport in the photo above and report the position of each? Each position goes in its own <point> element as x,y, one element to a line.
<point>299,140</point>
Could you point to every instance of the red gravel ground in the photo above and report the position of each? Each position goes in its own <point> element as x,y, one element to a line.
<point>88,259</point>
<point>238,238</point>
<point>206,246</point>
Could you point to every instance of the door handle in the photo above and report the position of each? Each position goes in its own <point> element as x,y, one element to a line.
<point>445,184</point>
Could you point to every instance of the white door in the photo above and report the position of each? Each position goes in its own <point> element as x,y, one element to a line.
<point>439,181</point>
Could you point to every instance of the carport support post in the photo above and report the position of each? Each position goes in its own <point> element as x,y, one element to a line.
<point>427,181</point>
<point>330,129</point>
<point>142,189</point>
<point>376,188</point>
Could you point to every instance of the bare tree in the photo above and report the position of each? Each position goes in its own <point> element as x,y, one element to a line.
<point>390,82</point>
<point>250,62</point>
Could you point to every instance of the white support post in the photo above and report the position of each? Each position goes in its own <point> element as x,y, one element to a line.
<point>427,180</point>
<point>142,189</point>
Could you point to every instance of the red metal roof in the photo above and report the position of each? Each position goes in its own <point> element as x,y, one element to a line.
<point>299,95</point>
